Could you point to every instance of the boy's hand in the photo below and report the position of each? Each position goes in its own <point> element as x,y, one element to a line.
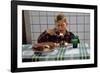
<point>51,32</point>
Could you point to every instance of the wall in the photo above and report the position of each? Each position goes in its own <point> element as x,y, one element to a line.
<point>39,21</point>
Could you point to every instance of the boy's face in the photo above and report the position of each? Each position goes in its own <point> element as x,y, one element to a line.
<point>61,26</point>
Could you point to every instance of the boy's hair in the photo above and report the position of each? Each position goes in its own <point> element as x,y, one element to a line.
<point>60,17</point>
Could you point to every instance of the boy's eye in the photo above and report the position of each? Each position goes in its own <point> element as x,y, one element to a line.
<point>59,25</point>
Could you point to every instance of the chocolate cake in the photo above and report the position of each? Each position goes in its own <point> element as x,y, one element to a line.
<point>48,46</point>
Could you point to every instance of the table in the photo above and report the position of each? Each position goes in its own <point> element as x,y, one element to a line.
<point>60,53</point>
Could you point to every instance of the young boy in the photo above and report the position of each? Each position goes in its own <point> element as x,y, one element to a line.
<point>59,34</point>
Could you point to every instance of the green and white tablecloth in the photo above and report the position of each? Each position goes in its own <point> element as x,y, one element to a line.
<point>60,53</point>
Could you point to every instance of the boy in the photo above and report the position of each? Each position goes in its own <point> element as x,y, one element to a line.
<point>59,34</point>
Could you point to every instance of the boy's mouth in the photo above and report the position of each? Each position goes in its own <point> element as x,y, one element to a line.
<point>61,31</point>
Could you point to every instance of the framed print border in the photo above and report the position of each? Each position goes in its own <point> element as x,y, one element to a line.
<point>14,33</point>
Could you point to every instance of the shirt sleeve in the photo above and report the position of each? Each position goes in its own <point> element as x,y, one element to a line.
<point>43,37</point>
<point>72,35</point>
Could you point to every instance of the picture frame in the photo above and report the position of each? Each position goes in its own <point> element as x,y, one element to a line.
<point>17,8</point>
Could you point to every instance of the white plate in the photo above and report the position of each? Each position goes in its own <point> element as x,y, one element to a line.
<point>28,53</point>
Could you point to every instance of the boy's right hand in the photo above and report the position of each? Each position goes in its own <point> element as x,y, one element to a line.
<point>51,32</point>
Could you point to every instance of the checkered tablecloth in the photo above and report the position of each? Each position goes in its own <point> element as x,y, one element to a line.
<point>60,53</point>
